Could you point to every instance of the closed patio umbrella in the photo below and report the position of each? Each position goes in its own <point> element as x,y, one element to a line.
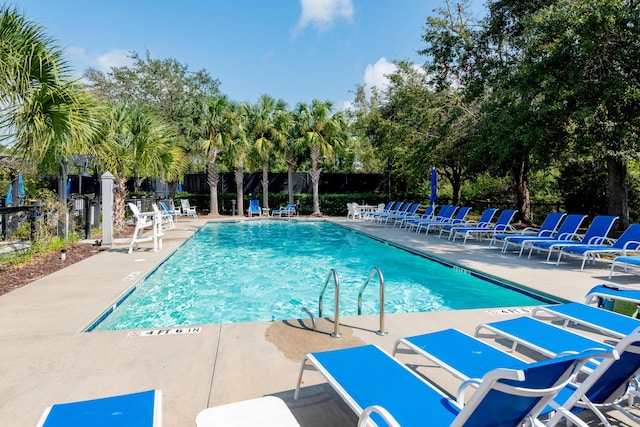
<point>434,186</point>
<point>21,192</point>
<point>9,198</point>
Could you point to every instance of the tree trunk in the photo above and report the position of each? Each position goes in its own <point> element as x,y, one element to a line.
<point>119,198</point>
<point>520,175</point>
<point>456,187</point>
<point>315,179</point>
<point>265,185</point>
<point>290,163</point>
<point>213,178</point>
<point>239,177</point>
<point>618,192</point>
<point>62,184</point>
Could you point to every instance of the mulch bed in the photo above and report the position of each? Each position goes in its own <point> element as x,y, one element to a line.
<point>15,276</point>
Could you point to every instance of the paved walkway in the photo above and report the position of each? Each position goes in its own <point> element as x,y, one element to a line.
<point>45,357</point>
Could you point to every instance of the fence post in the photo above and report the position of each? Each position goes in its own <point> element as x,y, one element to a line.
<point>107,208</point>
<point>33,212</point>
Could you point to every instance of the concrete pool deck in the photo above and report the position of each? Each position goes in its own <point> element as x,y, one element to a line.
<point>45,358</point>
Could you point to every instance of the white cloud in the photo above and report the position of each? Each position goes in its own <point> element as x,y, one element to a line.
<point>322,13</point>
<point>114,58</point>
<point>375,75</point>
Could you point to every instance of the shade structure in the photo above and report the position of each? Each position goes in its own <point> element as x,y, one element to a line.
<point>21,192</point>
<point>434,186</point>
<point>9,198</point>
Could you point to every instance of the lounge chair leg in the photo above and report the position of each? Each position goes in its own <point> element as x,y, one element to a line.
<point>302,368</point>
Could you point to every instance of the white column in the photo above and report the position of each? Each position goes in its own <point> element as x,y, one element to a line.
<point>107,208</point>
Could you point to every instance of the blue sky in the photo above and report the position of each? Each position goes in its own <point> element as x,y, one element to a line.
<point>297,50</point>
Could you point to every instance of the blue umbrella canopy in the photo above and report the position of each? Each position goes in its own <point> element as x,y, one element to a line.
<point>9,198</point>
<point>21,192</point>
<point>179,190</point>
<point>68,187</point>
<point>434,185</point>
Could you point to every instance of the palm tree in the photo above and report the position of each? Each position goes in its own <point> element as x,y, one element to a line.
<point>267,132</point>
<point>219,125</point>
<point>236,153</point>
<point>46,115</point>
<point>322,134</point>
<point>135,141</point>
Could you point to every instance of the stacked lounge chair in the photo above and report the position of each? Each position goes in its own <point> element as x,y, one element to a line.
<point>501,225</point>
<point>546,230</point>
<point>377,387</point>
<point>567,231</point>
<point>484,221</point>
<point>596,234</point>
<point>628,242</point>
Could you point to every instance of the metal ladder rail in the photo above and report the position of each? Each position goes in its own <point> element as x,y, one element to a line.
<point>336,302</point>
<point>373,272</point>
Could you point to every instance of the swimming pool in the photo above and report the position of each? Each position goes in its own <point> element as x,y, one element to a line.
<point>264,270</point>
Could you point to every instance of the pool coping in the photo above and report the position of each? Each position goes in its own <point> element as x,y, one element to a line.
<point>46,359</point>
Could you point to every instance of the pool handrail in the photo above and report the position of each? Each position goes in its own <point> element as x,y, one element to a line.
<point>374,271</point>
<point>336,301</point>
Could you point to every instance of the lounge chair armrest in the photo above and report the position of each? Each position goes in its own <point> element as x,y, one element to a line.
<point>545,233</point>
<point>471,382</point>
<point>386,416</point>
<point>631,246</point>
<point>568,236</point>
<point>595,240</point>
<point>531,230</point>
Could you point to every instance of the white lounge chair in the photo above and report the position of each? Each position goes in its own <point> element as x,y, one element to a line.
<point>267,411</point>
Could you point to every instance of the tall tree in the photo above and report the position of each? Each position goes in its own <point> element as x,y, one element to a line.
<point>45,115</point>
<point>266,130</point>
<point>165,85</point>
<point>323,134</point>
<point>135,141</point>
<point>219,124</point>
<point>587,57</point>
<point>236,154</point>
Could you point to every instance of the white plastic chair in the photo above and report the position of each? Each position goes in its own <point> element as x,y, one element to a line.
<point>187,209</point>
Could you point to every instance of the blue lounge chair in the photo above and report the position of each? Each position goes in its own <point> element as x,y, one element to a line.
<point>567,231</point>
<point>544,338</point>
<point>377,386</point>
<point>445,215</point>
<point>629,241</point>
<point>501,225</point>
<point>142,409</point>
<point>625,261</point>
<point>459,219</point>
<point>484,221</point>
<point>613,382</point>
<point>467,357</point>
<point>595,235</point>
<point>613,292</point>
<point>400,209</point>
<point>408,213</point>
<point>372,215</point>
<point>605,321</point>
<point>254,208</point>
<point>288,210</point>
<point>169,208</point>
<point>428,215</point>
<point>546,229</point>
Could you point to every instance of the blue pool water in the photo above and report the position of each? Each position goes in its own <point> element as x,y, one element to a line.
<point>264,270</point>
